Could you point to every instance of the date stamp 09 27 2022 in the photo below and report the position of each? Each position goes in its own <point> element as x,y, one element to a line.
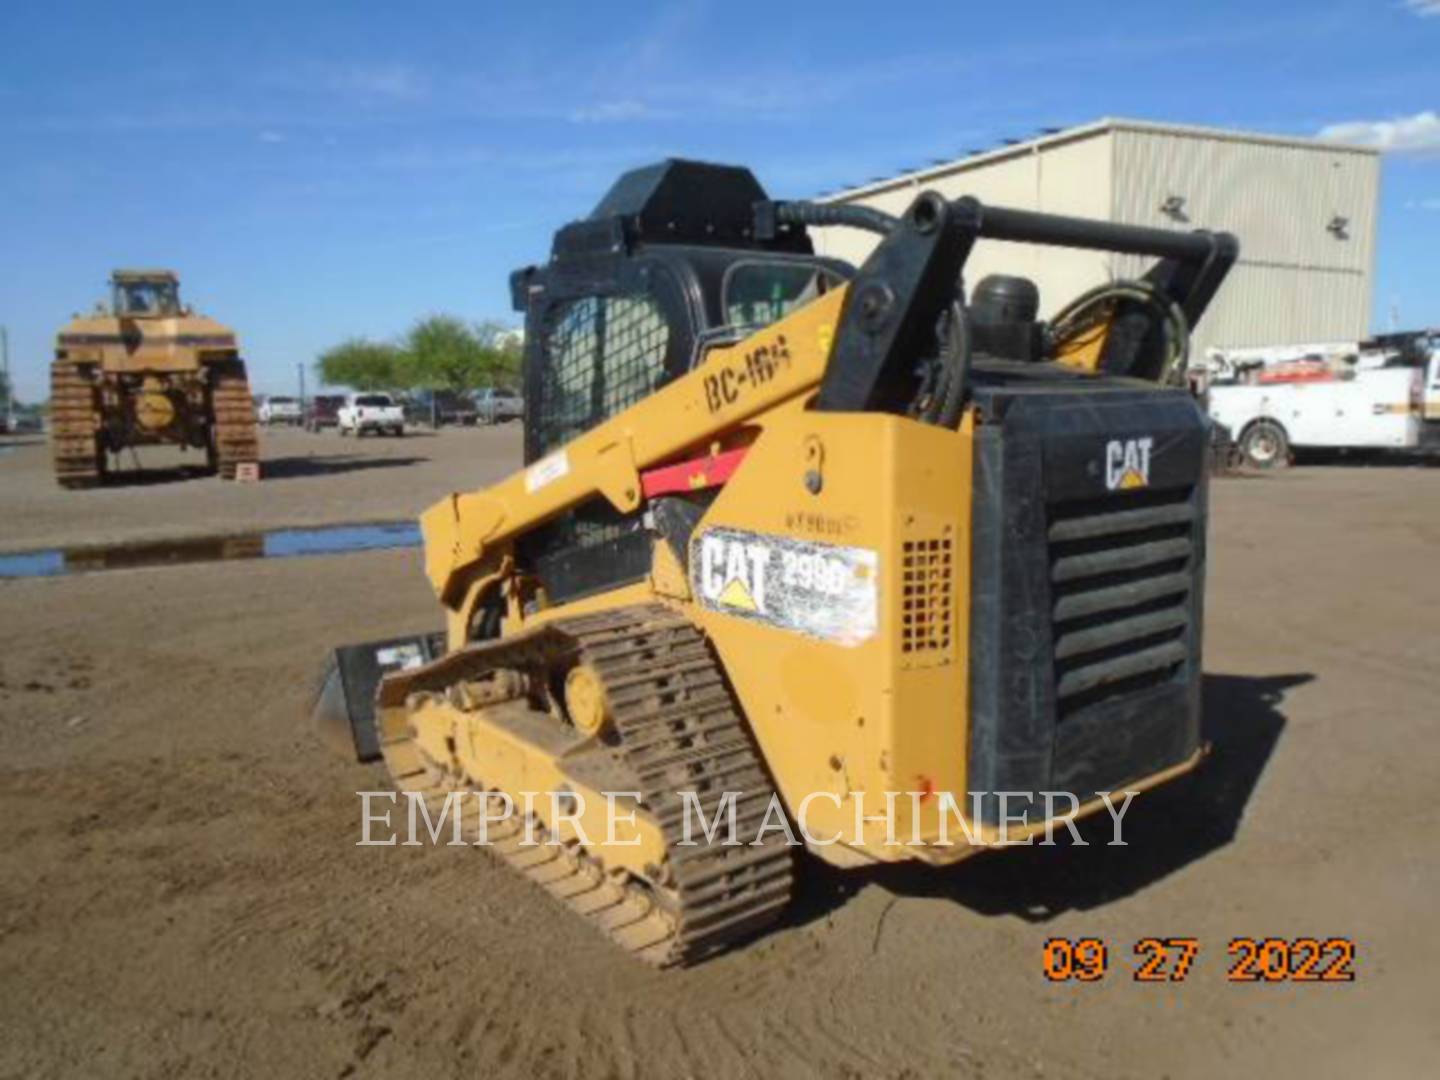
<point>1171,959</point>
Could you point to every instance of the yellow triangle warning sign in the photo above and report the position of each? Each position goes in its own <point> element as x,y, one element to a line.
<point>736,595</point>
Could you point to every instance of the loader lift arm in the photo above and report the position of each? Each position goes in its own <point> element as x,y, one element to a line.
<point>913,276</point>
<point>858,345</point>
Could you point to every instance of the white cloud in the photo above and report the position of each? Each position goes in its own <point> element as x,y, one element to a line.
<point>1423,204</point>
<point>394,82</point>
<point>1402,134</point>
<point>610,112</point>
<point>1424,8</point>
<point>271,137</point>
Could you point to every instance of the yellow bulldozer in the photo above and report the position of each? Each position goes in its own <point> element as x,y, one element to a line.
<point>147,371</point>
<point>855,560</point>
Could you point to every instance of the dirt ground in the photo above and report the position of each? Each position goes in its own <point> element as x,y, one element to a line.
<point>309,480</point>
<point>181,894</point>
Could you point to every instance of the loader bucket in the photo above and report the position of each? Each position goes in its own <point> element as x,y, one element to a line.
<point>344,708</point>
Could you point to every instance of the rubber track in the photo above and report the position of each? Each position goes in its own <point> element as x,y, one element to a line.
<point>236,441</point>
<point>74,427</point>
<point>679,730</point>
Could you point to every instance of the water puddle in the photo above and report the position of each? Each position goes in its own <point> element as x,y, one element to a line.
<point>14,441</point>
<point>274,544</point>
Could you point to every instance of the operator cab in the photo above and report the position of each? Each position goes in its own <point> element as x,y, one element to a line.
<point>145,293</point>
<point>666,267</point>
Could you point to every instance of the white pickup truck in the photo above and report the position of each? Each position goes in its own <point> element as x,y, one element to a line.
<point>379,413</point>
<point>277,409</point>
<point>496,405</point>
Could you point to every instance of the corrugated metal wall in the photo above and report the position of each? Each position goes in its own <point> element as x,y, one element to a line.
<point>1297,281</point>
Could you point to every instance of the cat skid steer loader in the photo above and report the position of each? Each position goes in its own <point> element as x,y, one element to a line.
<point>852,555</point>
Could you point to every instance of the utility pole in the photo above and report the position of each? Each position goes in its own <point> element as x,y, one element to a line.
<point>9,386</point>
<point>300,367</point>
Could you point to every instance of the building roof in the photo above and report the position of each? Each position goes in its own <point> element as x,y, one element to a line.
<point>144,275</point>
<point>1103,126</point>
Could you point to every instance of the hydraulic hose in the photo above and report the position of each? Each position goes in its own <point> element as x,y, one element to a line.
<point>944,402</point>
<point>1177,328</point>
<point>822,214</point>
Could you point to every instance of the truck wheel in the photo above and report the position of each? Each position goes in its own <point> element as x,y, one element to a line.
<point>1265,445</point>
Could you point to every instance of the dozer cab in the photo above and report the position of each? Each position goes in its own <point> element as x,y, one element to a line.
<point>854,557</point>
<point>147,371</point>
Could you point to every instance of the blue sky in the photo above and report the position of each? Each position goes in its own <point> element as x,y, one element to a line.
<point>319,170</point>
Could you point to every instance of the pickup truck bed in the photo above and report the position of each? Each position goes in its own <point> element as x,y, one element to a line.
<point>364,413</point>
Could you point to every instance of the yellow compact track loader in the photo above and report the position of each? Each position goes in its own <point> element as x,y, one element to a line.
<point>805,555</point>
<point>147,372</point>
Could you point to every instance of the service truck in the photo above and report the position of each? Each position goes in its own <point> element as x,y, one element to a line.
<point>1381,394</point>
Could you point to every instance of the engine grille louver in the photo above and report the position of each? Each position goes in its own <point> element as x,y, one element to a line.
<point>1121,572</point>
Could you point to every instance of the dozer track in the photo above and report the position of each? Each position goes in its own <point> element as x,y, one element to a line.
<point>74,427</point>
<point>235,441</point>
<point>676,728</point>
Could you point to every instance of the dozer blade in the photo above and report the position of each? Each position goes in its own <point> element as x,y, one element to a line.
<point>344,708</point>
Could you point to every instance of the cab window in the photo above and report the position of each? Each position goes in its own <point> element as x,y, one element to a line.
<point>758,293</point>
<point>146,298</point>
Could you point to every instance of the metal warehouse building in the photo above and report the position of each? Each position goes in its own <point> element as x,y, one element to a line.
<point>1304,212</point>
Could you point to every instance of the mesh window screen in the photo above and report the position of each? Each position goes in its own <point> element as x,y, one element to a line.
<point>602,354</point>
<point>636,337</point>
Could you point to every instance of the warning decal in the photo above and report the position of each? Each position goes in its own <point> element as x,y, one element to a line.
<point>403,657</point>
<point>546,471</point>
<point>823,590</point>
